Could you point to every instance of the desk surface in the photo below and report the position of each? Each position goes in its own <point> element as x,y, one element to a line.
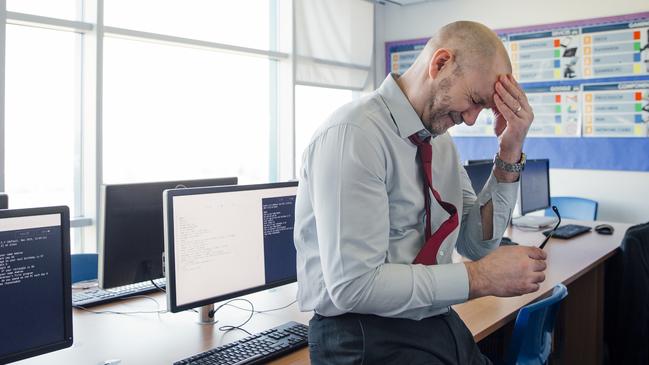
<point>165,338</point>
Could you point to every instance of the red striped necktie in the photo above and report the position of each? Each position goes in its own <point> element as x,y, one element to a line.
<point>428,253</point>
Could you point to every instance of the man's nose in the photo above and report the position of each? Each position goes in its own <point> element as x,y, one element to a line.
<point>471,115</point>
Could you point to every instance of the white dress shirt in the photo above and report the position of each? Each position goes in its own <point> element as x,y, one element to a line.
<point>359,215</point>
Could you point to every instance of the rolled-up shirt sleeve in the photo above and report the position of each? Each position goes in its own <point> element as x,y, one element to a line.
<point>346,170</point>
<point>503,198</point>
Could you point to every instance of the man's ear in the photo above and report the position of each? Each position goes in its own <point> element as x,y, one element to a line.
<point>442,58</point>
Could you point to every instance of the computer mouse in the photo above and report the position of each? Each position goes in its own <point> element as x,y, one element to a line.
<point>604,228</point>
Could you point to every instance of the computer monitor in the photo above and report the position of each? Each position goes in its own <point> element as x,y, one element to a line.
<point>131,239</point>
<point>224,242</point>
<point>36,299</point>
<point>479,174</point>
<point>535,186</point>
<point>4,201</point>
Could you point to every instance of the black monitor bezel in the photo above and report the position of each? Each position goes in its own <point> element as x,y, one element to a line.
<point>169,246</point>
<point>64,212</point>
<point>104,262</point>
<point>522,179</point>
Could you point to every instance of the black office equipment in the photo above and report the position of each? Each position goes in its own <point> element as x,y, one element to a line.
<point>34,282</point>
<point>225,242</point>
<point>131,239</point>
<point>96,296</point>
<point>604,228</point>
<point>4,201</point>
<point>258,348</point>
<point>535,186</point>
<point>479,174</point>
<point>568,231</point>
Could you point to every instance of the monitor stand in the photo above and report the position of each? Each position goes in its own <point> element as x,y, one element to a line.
<point>206,314</point>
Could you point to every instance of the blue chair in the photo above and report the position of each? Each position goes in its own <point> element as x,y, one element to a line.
<point>84,267</point>
<point>574,208</point>
<point>531,340</point>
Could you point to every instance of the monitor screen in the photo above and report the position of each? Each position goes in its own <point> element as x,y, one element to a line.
<point>535,186</point>
<point>34,282</point>
<point>225,242</point>
<point>478,174</point>
<point>131,239</point>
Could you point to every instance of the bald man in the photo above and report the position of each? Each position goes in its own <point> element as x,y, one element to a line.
<point>383,201</point>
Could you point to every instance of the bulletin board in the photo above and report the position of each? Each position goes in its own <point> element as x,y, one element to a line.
<point>588,83</point>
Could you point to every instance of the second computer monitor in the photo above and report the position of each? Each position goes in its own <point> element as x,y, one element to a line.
<point>225,242</point>
<point>131,230</point>
<point>535,186</point>
<point>479,174</point>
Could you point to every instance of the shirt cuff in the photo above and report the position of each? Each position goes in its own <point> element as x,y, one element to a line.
<point>451,284</point>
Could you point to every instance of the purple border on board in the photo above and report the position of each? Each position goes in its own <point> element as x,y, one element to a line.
<point>540,27</point>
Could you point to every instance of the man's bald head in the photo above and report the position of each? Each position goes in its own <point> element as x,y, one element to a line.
<point>473,44</point>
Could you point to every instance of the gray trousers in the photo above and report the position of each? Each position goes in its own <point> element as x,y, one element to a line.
<point>368,339</point>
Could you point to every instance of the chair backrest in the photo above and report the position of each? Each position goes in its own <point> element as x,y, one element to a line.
<point>572,207</point>
<point>531,340</point>
<point>84,266</point>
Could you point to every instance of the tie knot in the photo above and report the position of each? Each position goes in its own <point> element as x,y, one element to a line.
<point>417,140</point>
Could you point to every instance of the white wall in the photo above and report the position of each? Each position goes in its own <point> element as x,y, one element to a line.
<point>623,196</point>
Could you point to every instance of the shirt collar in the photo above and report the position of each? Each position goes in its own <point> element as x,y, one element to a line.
<point>402,112</point>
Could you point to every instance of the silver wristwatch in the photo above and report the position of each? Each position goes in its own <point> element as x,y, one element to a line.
<point>510,167</point>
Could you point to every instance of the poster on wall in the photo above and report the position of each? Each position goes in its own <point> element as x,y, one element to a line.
<point>616,50</point>
<point>616,109</point>
<point>546,56</point>
<point>556,111</point>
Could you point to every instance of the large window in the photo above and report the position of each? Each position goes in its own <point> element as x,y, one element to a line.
<point>124,91</point>
<point>42,116</point>
<point>179,113</point>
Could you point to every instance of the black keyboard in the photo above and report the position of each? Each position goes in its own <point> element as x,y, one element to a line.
<point>255,349</point>
<point>96,296</point>
<point>568,231</point>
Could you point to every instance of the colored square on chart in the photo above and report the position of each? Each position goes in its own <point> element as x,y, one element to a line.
<point>557,63</point>
<point>587,71</point>
<point>637,68</point>
<point>395,67</point>
<point>514,46</point>
<point>588,61</point>
<point>589,108</point>
<point>557,73</point>
<point>588,39</point>
<point>557,53</point>
<point>515,56</point>
<point>589,98</point>
<point>640,130</point>
<point>589,130</point>
<point>588,50</point>
<point>638,95</point>
<point>638,118</point>
<point>395,57</point>
<point>589,119</point>
<point>557,129</point>
<point>557,108</point>
<point>636,35</point>
<point>557,119</point>
<point>557,98</point>
<point>638,107</point>
<point>636,46</point>
<point>557,43</point>
<point>636,57</point>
